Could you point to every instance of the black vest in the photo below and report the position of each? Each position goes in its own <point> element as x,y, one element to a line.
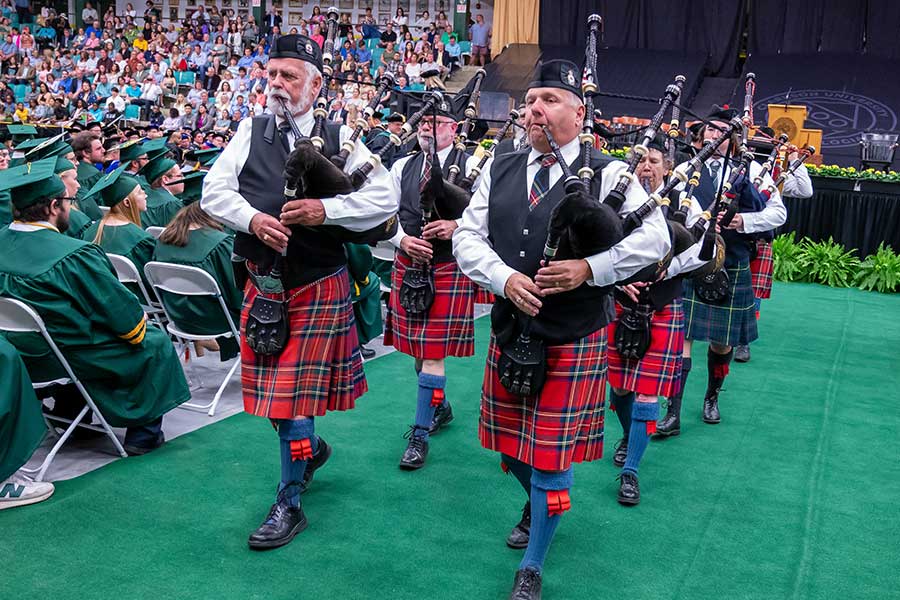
<point>737,245</point>
<point>410,213</point>
<point>518,235</point>
<point>311,253</point>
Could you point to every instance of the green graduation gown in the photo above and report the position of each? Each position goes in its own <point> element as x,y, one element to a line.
<point>129,368</point>
<point>364,292</point>
<point>130,241</point>
<point>209,250</point>
<point>161,208</point>
<point>21,425</point>
<point>78,224</point>
<point>87,175</point>
<point>5,209</point>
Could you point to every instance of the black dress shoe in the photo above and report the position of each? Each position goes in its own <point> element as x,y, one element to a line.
<point>318,459</point>
<point>629,490</point>
<point>416,450</point>
<point>670,425</point>
<point>283,523</point>
<point>132,450</point>
<point>711,410</point>
<point>518,537</point>
<point>443,414</point>
<point>742,354</point>
<point>367,353</point>
<point>527,585</point>
<point>621,453</point>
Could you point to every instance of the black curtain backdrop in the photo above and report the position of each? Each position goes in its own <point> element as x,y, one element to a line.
<point>856,219</point>
<point>807,26</point>
<point>709,27</point>
<point>882,20</point>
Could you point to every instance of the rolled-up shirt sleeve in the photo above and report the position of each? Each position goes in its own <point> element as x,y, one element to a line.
<point>690,258</point>
<point>798,184</point>
<point>369,206</point>
<point>646,245</point>
<point>221,199</point>
<point>773,215</point>
<point>471,246</point>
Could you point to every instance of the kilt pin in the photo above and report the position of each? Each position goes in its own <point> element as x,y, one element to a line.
<point>658,372</point>
<point>320,368</point>
<point>448,329</point>
<point>564,422</point>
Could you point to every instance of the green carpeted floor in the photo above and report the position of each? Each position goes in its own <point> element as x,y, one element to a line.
<point>794,495</point>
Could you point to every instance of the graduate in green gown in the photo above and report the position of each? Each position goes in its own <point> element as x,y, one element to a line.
<point>129,368</point>
<point>120,232</point>
<point>88,151</point>
<point>193,238</point>
<point>21,430</point>
<point>193,186</point>
<point>79,222</point>
<point>162,205</point>
<point>5,200</point>
<point>365,293</point>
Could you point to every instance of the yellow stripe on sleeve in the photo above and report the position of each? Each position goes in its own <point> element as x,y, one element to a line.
<point>140,328</point>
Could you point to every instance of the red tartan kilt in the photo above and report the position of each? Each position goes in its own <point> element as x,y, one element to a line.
<point>483,295</point>
<point>449,327</point>
<point>561,426</point>
<point>761,270</point>
<point>320,368</point>
<point>658,372</point>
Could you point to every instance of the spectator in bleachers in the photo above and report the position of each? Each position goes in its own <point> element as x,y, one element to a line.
<point>480,35</point>
<point>130,369</point>
<point>389,36</point>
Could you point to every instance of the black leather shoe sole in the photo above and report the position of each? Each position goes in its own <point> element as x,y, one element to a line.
<point>278,542</point>
<point>711,421</point>
<point>664,434</point>
<point>517,545</point>
<point>628,501</point>
<point>411,466</point>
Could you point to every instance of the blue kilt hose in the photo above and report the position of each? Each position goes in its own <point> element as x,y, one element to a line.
<point>564,423</point>
<point>658,372</point>
<point>448,329</point>
<point>730,324</point>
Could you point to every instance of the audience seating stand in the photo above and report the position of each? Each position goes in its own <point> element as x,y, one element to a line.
<point>18,317</point>
<point>128,273</point>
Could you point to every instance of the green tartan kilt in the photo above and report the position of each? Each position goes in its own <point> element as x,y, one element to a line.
<point>730,324</point>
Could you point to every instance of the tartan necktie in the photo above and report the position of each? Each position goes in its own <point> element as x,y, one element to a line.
<point>426,173</point>
<point>283,130</point>
<point>714,167</point>
<point>541,184</point>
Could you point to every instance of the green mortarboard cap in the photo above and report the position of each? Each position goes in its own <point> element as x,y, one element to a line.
<point>157,167</point>
<point>156,148</point>
<point>63,164</point>
<point>193,186</point>
<point>114,187</point>
<point>130,150</point>
<point>30,183</point>
<point>21,131</point>
<point>40,148</point>
<point>205,157</point>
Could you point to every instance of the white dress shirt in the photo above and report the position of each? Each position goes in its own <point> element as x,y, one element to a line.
<point>772,216</point>
<point>361,210</point>
<point>648,244</point>
<point>396,176</point>
<point>797,184</point>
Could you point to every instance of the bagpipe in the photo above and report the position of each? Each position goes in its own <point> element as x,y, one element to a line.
<point>712,287</point>
<point>803,154</point>
<point>440,199</point>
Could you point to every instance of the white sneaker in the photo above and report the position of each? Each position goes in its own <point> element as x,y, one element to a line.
<point>21,491</point>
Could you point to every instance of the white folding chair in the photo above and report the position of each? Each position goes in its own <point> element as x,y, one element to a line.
<point>384,250</point>
<point>182,280</point>
<point>155,231</point>
<point>128,273</point>
<point>18,317</point>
